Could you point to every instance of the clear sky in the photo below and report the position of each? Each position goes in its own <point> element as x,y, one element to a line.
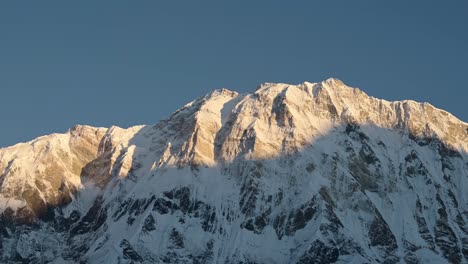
<point>135,62</point>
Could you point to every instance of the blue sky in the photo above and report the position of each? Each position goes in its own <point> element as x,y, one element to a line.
<point>134,62</point>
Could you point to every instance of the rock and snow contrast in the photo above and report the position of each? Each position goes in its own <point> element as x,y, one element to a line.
<point>308,173</point>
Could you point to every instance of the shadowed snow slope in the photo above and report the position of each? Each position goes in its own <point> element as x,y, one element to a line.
<point>308,173</point>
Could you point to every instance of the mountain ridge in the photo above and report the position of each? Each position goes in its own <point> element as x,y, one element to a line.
<point>321,170</point>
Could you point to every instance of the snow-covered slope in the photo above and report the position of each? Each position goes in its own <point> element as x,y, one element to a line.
<point>308,173</point>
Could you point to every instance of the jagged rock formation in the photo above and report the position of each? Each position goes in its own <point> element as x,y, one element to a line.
<point>309,173</point>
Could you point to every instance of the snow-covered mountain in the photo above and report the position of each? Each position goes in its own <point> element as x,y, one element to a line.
<point>308,173</point>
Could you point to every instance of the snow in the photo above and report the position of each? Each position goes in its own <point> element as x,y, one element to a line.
<point>10,203</point>
<point>226,148</point>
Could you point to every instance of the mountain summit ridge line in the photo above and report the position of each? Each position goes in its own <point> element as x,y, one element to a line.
<point>308,173</point>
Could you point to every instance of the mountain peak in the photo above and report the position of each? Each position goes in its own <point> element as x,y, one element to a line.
<point>278,111</point>
<point>221,92</point>
<point>322,171</point>
<point>333,82</point>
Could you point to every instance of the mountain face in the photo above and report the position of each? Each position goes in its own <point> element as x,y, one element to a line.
<point>309,173</point>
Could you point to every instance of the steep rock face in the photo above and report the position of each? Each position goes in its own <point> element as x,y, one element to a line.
<point>309,173</point>
<point>47,171</point>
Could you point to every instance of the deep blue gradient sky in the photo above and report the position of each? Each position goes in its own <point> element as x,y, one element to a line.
<point>134,62</point>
